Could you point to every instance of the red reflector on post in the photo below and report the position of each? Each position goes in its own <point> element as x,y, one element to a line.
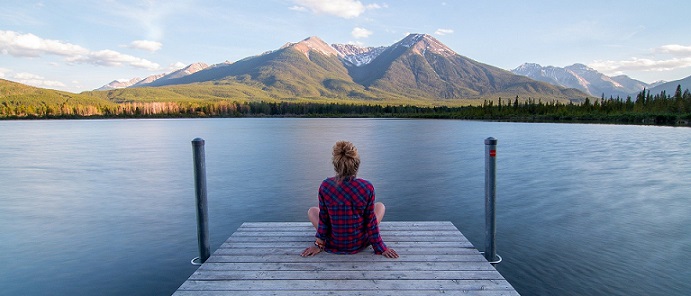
<point>493,153</point>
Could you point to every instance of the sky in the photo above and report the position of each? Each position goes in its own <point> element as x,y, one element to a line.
<point>76,46</point>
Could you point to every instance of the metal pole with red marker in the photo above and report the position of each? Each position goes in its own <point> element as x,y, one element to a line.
<point>490,200</point>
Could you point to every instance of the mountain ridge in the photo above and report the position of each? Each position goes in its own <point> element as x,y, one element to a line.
<point>671,87</point>
<point>583,78</point>
<point>418,66</point>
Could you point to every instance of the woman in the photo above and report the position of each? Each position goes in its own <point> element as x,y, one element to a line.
<point>347,219</point>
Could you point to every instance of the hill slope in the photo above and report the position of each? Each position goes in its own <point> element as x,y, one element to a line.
<point>13,92</point>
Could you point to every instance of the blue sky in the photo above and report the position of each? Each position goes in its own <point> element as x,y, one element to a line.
<point>82,45</point>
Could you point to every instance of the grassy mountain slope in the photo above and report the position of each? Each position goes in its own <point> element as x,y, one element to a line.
<point>283,73</point>
<point>14,93</point>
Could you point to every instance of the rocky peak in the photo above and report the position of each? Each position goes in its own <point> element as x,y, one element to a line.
<point>119,83</point>
<point>196,67</point>
<point>149,79</point>
<point>421,43</point>
<point>527,68</point>
<point>580,68</point>
<point>190,69</point>
<point>313,44</point>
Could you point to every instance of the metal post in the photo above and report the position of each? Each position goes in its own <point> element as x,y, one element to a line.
<point>490,200</point>
<point>200,193</point>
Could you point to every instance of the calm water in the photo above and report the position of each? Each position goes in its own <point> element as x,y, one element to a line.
<point>107,206</point>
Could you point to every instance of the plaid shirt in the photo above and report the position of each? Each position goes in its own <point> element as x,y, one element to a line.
<point>346,216</point>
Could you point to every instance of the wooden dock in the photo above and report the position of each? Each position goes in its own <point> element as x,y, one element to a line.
<point>264,259</point>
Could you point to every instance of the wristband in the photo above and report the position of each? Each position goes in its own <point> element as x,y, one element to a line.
<point>320,246</point>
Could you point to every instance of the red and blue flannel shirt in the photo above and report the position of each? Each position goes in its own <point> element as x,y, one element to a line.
<point>346,216</point>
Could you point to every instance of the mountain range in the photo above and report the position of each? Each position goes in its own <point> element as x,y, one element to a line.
<point>418,67</point>
<point>585,79</point>
<point>134,82</point>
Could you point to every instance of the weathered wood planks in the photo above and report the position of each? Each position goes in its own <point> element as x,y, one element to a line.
<point>264,259</point>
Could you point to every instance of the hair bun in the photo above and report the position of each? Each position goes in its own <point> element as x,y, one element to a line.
<point>345,159</point>
<point>345,149</point>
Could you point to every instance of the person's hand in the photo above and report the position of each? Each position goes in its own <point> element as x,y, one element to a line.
<point>390,253</point>
<point>313,250</point>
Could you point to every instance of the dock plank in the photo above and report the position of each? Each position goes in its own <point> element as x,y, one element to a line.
<point>263,258</point>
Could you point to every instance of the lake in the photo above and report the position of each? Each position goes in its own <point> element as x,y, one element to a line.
<point>107,207</point>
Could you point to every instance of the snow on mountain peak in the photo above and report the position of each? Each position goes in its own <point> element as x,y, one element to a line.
<point>358,55</point>
<point>411,39</point>
<point>421,43</point>
<point>527,68</point>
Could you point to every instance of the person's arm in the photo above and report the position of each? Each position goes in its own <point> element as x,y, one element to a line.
<point>372,224</point>
<point>324,222</point>
<point>373,230</point>
<point>322,230</point>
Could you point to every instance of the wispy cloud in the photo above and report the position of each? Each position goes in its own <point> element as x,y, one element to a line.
<point>376,6</point>
<point>298,8</point>
<point>30,45</point>
<point>360,33</point>
<point>341,8</point>
<point>675,57</point>
<point>442,32</point>
<point>113,58</point>
<point>149,16</point>
<point>674,49</point>
<point>637,64</point>
<point>147,45</point>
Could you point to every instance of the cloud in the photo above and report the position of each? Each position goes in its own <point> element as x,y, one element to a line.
<point>358,43</point>
<point>675,49</point>
<point>177,66</point>
<point>3,72</point>
<point>677,57</point>
<point>148,45</point>
<point>113,58</point>
<point>636,64</point>
<point>30,45</point>
<point>377,6</point>
<point>442,32</point>
<point>36,80</point>
<point>341,8</point>
<point>360,33</point>
<point>298,8</point>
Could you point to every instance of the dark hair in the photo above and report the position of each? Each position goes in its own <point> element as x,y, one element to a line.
<point>345,159</point>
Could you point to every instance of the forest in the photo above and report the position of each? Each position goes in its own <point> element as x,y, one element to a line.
<point>645,108</point>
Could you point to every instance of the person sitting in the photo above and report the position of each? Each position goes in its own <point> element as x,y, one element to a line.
<point>347,219</point>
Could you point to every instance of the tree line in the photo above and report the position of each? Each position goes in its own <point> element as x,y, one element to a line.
<point>645,108</point>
